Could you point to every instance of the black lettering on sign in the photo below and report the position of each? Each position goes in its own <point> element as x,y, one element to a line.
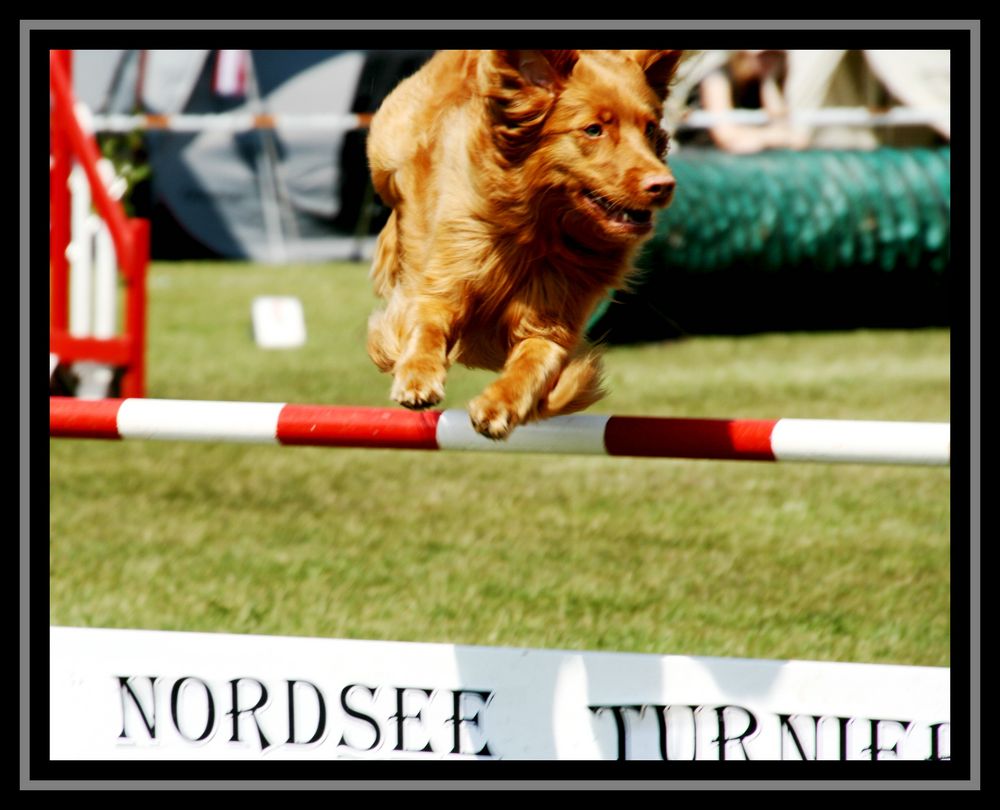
<point>787,729</point>
<point>320,722</point>
<point>401,717</point>
<point>236,711</point>
<point>175,697</point>
<point>621,724</point>
<point>125,688</point>
<point>935,730</point>
<point>875,748</point>
<point>457,719</point>
<point>356,713</point>
<point>663,728</point>
<point>841,737</point>
<point>723,740</point>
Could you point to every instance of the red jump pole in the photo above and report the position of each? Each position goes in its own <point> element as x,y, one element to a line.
<point>816,440</point>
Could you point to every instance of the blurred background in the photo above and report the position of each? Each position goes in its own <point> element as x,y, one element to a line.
<point>813,185</point>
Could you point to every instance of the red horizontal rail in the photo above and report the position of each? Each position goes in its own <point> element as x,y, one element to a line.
<point>113,351</point>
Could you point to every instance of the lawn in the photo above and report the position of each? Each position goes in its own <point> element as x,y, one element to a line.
<point>806,561</point>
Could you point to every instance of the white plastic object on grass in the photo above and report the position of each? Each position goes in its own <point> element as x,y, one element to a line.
<point>278,322</point>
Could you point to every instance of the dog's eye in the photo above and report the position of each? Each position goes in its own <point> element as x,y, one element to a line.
<point>594,130</point>
<point>650,130</point>
<point>660,141</point>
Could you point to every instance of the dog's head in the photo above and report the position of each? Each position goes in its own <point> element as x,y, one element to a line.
<point>584,126</point>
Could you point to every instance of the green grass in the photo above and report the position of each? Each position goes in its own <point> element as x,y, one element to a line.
<point>809,561</point>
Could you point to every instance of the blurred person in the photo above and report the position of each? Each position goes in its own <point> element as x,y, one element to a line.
<point>750,80</point>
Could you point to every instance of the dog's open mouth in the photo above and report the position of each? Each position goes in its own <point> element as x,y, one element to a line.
<point>635,220</point>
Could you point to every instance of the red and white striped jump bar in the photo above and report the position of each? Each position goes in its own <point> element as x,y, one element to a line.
<point>820,440</point>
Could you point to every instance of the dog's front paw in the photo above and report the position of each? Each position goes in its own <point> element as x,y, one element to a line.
<point>492,417</point>
<point>418,386</point>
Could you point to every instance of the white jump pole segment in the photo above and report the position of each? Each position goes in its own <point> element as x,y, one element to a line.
<point>861,442</point>
<point>199,421</point>
<point>580,434</point>
<point>823,441</point>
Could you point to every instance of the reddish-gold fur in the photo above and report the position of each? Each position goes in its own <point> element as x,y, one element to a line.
<point>507,173</point>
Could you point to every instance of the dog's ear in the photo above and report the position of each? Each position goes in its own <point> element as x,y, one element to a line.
<point>522,87</point>
<point>548,69</point>
<point>659,67</point>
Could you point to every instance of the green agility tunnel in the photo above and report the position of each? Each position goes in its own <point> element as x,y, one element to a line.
<point>793,240</point>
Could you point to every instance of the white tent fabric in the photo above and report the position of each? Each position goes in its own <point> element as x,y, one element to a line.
<point>830,78</point>
<point>260,182</point>
<point>817,79</point>
<point>917,78</point>
<point>263,195</point>
<point>106,80</point>
<point>170,79</point>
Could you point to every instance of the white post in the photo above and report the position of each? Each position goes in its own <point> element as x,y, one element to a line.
<point>105,283</point>
<point>79,254</point>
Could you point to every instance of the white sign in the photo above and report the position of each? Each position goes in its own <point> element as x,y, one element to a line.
<point>278,322</point>
<point>135,694</point>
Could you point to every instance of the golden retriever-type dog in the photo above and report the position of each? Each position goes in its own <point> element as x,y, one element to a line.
<point>520,184</point>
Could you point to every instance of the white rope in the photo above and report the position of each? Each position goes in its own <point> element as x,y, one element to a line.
<point>320,122</point>
<point>227,122</point>
<point>827,117</point>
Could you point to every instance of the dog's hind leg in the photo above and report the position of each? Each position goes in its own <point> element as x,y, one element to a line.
<point>385,263</point>
<point>383,340</point>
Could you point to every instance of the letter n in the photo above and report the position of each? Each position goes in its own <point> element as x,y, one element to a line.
<point>149,721</point>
